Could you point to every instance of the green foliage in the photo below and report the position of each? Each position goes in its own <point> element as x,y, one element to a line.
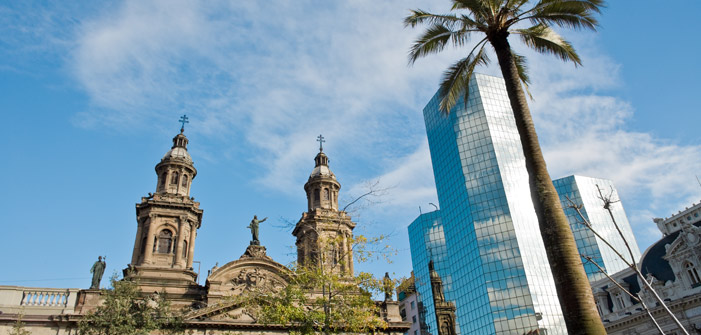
<point>125,312</point>
<point>321,298</point>
<point>18,327</point>
<point>494,21</point>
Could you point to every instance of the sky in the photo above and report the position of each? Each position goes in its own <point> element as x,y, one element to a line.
<point>91,93</point>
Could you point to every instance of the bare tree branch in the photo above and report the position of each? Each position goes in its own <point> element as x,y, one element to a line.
<point>630,264</point>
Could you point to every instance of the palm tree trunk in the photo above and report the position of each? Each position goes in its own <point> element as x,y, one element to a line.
<point>573,289</point>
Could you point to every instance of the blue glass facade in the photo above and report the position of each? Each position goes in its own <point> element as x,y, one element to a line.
<point>427,240</point>
<point>583,191</point>
<point>497,271</point>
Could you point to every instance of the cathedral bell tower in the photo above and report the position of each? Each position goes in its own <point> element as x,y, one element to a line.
<point>167,223</point>
<point>324,234</point>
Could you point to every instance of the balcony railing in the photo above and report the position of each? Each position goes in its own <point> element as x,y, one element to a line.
<point>39,300</point>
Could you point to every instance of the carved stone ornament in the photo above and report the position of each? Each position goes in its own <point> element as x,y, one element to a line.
<point>691,234</point>
<point>249,279</point>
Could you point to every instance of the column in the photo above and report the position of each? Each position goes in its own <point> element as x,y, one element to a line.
<point>191,252</point>
<point>350,254</point>
<point>179,241</point>
<point>344,253</point>
<point>180,179</point>
<point>148,252</point>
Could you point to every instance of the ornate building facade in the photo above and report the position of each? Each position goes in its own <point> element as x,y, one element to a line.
<point>162,258</point>
<point>167,223</point>
<point>672,266</point>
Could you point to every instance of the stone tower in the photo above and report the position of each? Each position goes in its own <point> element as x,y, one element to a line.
<point>167,224</point>
<point>445,311</point>
<point>324,234</point>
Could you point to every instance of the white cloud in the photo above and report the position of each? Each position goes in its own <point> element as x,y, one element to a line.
<point>286,73</point>
<point>282,72</point>
<point>409,182</point>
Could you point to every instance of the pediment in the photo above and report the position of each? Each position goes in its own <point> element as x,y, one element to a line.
<point>249,273</point>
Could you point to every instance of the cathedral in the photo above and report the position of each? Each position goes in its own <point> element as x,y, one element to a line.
<point>167,222</point>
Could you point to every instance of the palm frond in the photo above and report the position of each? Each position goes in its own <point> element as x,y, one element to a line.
<point>481,9</point>
<point>576,14</point>
<point>456,79</point>
<point>520,62</point>
<point>592,5</point>
<point>545,40</point>
<point>419,16</point>
<point>495,6</point>
<point>434,40</point>
<point>515,5</point>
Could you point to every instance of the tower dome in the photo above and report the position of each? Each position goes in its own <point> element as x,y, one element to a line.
<point>321,169</point>
<point>322,187</point>
<point>178,151</point>
<point>176,169</point>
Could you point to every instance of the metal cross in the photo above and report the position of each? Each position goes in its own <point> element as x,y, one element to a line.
<point>321,141</point>
<point>183,120</point>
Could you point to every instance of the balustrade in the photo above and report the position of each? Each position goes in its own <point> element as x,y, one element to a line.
<point>45,297</point>
<point>37,300</point>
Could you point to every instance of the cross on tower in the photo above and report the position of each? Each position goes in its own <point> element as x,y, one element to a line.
<point>183,120</point>
<point>321,141</point>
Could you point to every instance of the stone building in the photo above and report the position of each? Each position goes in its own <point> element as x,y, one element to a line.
<point>672,267</point>
<point>162,258</point>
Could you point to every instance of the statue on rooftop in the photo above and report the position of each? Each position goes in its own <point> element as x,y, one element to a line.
<point>254,229</point>
<point>97,270</point>
<point>387,287</point>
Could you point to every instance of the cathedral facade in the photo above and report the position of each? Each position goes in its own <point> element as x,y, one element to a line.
<point>162,259</point>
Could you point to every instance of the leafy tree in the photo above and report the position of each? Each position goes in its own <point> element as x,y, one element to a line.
<point>321,298</point>
<point>125,312</point>
<point>494,21</point>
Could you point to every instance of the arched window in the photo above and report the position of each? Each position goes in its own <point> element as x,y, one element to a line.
<point>692,273</point>
<point>165,241</point>
<point>316,195</point>
<point>333,254</point>
<point>163,179</point>
<point>174,178</point>
<point>184,249</point>
<point>184,180</point>
<point>326,194</point>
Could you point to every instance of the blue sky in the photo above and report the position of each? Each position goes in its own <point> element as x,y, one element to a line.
<point>90,95</point>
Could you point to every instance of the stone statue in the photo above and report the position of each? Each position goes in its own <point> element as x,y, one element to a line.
<point>254,229</point>
<point>97,270</point>
<point>387,287</point>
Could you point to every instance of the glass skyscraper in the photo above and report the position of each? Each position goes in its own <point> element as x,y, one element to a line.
<point>485,240</point>
<point>583,191</point>
<point>426,234</point>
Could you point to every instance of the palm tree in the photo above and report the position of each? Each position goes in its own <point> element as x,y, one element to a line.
<point>494,21</point>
